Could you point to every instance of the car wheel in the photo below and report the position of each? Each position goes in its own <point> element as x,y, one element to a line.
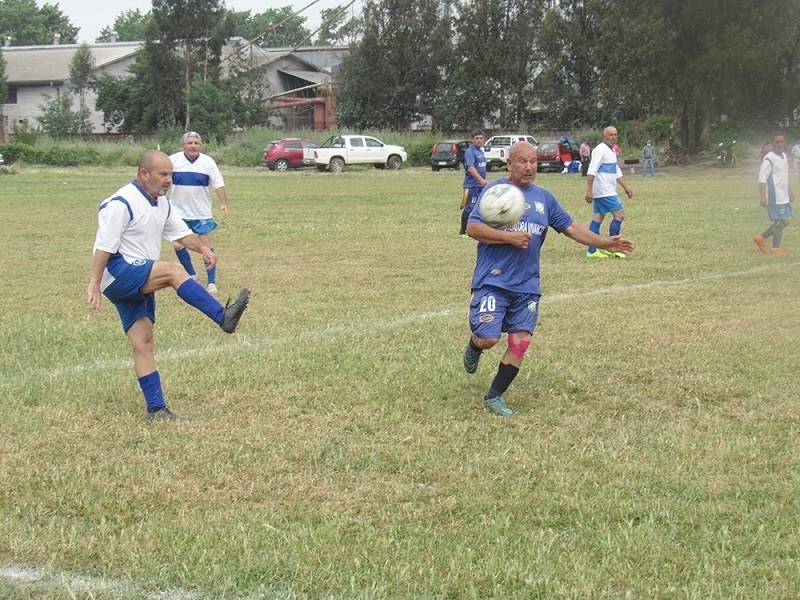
<point>336,165</point>
<point>436,169</point>
<point>282,165</point>
<point>394,162</point>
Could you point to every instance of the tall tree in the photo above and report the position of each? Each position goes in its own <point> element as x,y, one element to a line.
<point>130,26</point>
<point>189,34</point>
<point>28,25</point>
<point>80,72</point>
<point>389,80</point>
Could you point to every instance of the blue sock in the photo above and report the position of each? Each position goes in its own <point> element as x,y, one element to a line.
<point>212,273</point>
<point>186,260</point>
<point>196,295</point>
<point>594,227</point>
<point>153,394</point>
<point>614,227</point>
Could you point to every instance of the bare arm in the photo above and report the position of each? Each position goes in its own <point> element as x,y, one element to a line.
<point>581,234</point>
<point>489,235</point>
<point>99,262</point>
<point>223,200</point>
<point>193,242</point>
<point>625,186</point>
<point>589,189</point>
<point>474,172</point>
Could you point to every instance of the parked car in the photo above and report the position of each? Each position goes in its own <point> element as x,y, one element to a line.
<point>554,154</point>
<point>496,148</point>
<point>448,154</point>
<point>285,154</point>
<point>340,150</point>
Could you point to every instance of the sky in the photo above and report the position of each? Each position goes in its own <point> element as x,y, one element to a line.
<point>91,17</point>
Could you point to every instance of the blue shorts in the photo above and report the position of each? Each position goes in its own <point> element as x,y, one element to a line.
<point>124,292</point>
<point>201,226</point>
<point>606,204</point>
<point>779,212</point>
<point>493,311</point>
<point>470,198</point>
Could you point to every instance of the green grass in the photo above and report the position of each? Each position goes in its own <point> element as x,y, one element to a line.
<point>338,450</point>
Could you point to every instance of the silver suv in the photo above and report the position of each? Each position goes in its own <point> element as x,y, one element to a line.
<point>496,148</point>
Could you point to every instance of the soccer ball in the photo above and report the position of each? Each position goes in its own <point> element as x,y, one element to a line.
<point>502,205</point>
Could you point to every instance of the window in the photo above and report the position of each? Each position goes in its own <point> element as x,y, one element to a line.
<point>356,143</point>
<point>373,143</point>
<point>12,95</point>
<point>293,144</point>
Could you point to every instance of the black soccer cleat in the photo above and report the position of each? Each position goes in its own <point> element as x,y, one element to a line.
<point>164,414</point>
<point>233,312</point>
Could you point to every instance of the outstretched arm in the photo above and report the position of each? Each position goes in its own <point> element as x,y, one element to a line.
<point>581,234</point>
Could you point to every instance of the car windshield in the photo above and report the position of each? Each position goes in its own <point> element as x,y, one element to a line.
<point>443,147</point>
<point>548,147</point>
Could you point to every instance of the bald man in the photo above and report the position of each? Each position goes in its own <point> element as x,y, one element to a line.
<point>126,269</point>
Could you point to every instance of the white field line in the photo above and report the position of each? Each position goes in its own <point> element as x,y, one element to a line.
<point>243,341</point>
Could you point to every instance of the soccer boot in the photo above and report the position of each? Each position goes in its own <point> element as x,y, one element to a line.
<point>762,245</point>
<point>497,406</point>
<point>610,254</point>
<point>471,359</point>
<point>596,254</point>
<point>164,414</point>
<point>778,252</point>
<point>233,311</point>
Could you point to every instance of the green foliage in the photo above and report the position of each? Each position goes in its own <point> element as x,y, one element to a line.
<point>658,127</point>
<point>57,119</point>
<point>130,26</point>
<point>273,28</point>
<point>339,27</point>
<point>29,25</point>
<point>211,109</point>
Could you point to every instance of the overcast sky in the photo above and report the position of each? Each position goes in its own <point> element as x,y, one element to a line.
<point>91,17</point>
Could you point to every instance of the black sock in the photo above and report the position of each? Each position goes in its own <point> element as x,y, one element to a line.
<point>473,347</point>
<point>505,375</point>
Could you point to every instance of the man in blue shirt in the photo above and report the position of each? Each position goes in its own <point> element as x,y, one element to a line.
<point>505,284</point>
<point>474,177</point>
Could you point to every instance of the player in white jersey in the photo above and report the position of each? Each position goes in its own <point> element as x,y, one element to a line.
<point>194,175</point>
<point>601,191</point>
<point>505,284</point>
<point>776,194</point>
<point>126,269</point>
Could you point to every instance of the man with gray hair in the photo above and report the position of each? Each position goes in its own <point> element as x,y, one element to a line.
<point>194,174</point>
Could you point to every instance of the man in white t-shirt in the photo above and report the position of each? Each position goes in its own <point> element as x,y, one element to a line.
<point>776,194</point>
<point>194,174</point>
<point>601,191</point>
<point>126,269</point>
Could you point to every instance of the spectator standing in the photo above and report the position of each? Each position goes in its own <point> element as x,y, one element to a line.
<point>586,156</point>
<point>649,154</point>
<point>194,175</point>
<point>796,158</point>
<point>474,177</point>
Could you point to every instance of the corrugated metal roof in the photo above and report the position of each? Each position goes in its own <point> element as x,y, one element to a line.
<point>33,64</point>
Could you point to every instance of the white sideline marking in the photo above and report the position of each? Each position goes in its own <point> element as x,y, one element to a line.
<point>250,342</point>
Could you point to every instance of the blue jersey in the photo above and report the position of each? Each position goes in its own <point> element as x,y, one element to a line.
<point>474,157</point>
<point>515,269</point>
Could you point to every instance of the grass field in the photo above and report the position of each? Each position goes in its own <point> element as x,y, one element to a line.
<point>337,448</point>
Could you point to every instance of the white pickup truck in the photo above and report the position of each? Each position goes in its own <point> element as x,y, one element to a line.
<point>341,150</point>
<point>496,148</point>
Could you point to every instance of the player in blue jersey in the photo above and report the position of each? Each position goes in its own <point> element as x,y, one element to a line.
<point>776,194</point>
<point>126,269</point>
<point>194,174</point>
<point>505,284</point>
<point>601,191</point>
<point>474,177</point>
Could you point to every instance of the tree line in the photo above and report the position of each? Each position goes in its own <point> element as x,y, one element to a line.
<point>511,64</point>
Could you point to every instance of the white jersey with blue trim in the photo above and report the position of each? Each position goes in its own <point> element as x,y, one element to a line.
<point>515,269</point>
<point>606,171</point>
<point>774,172</point>
<point>191,182</point>
<point>131,224</point>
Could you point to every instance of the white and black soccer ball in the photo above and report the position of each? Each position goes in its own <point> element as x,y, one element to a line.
<point>502,205</point>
